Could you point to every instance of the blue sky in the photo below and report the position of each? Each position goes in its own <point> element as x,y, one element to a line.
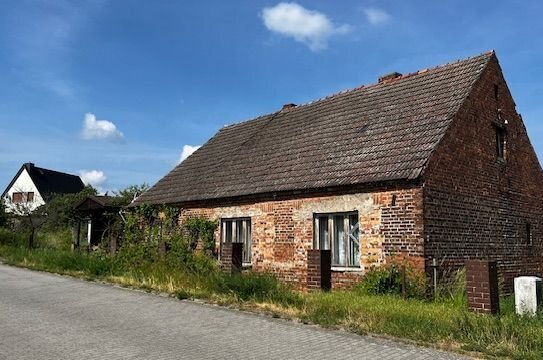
<point>114,90</point>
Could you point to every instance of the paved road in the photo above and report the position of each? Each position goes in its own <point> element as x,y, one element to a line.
<point>44,316</point>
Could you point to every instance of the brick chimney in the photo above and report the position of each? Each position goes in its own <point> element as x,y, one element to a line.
<point>388,77</point>
<point>288,106</point>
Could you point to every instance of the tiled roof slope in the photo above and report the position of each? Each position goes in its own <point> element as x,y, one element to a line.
<point>381,132</point>
<point>51,182</point>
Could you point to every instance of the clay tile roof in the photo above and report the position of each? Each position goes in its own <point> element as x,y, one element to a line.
<point>375,133</point>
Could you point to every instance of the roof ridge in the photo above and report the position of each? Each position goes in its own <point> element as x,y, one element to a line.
<point>402,77</point>
<point>55,171</point>
<point>368,86</point>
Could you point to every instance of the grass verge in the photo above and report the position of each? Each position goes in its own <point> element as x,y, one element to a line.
<point>445,324</point>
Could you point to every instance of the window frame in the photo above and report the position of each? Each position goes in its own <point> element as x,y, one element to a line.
<point>17,197</point>
<point>246,227</point>
<point>500,143</point>
<point>22,197</point>
<point>529,234</point>
<point>352,258</point>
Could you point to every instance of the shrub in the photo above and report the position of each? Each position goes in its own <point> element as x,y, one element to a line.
<point>60,209</point>
<point>3,214</point>
<point>389,280</point>
<point>201,229</point>
<point>9,237</point>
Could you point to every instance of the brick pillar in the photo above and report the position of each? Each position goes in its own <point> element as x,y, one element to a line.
<point>482,286</point>
<point>231,257</point>
<point>319,269</point>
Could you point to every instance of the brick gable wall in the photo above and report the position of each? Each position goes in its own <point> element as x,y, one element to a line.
<point>282,229</point>
<point>476,206</point>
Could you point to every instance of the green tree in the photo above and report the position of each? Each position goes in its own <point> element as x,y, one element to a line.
<point>31,218</point>
<point>3,214</point>
<point>60,208</point>
<point>128,194</point>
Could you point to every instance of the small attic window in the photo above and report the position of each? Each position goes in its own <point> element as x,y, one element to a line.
<point>500,143</point>
<point>22,197</point>
<point>529,238</point>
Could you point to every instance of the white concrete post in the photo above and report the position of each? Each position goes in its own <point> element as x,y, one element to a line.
<point>89,232</point>
<point>527,294</point>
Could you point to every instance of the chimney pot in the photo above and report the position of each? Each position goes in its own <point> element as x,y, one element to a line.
<point>288,106</point>
<point>390,76</point>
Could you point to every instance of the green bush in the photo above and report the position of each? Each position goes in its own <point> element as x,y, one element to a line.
<point>389,279</point>
<point>3,215</point>
<point>60,209</point>
<point>9,237</point>
<point>201,229</point>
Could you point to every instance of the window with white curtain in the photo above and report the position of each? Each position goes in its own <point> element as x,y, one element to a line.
<point>338,232</point>
<point>238,231</point>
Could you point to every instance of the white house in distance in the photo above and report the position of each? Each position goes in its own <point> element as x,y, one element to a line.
<point>32,187</point>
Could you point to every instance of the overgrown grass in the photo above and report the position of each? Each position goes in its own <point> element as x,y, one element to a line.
<point>444,323</point>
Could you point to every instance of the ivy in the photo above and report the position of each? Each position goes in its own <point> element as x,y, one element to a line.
<point>201,229</point>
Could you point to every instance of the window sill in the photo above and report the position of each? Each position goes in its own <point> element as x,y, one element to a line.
<point>346,269</point>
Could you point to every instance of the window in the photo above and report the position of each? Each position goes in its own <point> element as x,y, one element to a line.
<point>238,231</point>
<point>17,197</point>
<point>338,232</point>
<point>22,197</point>
<point>500,143</point>
<point>529,238</point>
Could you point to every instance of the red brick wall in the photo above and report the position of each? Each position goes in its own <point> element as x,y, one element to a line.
<point>475,206</point>
<point>282,229</point>
<point>482,286</point>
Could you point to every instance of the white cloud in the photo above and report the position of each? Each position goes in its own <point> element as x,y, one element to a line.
<point>92,177</point>
<point>187,151</point>
<point>306,26</point>
<point>100,129</point>
<point>377,16</point>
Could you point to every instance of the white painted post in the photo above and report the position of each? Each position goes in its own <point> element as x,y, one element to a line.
<point>89,232</point>
<point>527,294</point>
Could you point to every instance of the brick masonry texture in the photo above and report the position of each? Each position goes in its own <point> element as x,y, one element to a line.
<point>476,207</point>
<point>482,286</point>
<point>282,230</point>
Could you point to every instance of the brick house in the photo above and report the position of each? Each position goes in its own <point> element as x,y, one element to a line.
<point>432,164</point>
